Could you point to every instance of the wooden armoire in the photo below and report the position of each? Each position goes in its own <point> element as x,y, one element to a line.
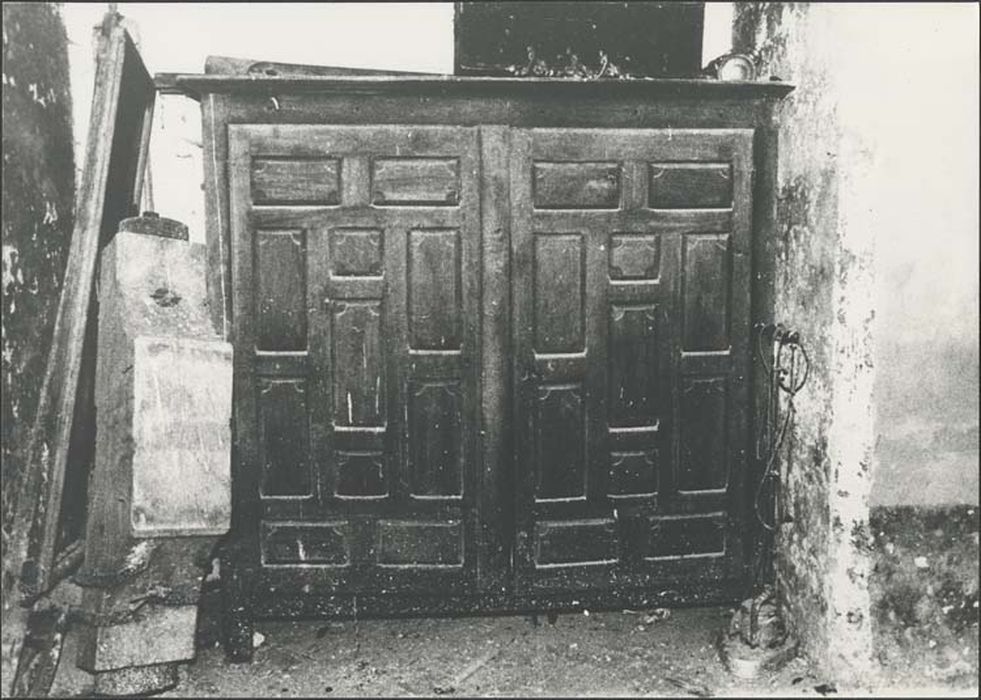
<point>492,338</point>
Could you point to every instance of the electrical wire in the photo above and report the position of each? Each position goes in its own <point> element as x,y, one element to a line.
<point>786,356</point>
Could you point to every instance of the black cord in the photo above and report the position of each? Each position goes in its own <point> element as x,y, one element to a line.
<point>778,379</point>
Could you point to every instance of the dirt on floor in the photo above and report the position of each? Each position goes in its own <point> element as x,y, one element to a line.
<point>620,654</point>
<point>924,594</point>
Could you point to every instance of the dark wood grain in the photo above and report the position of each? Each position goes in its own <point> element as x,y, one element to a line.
<point>634,366</point>
<point>435,295</point>
<point>283,438</point>
<point>559,293</point>
<point>690,185</point>
<point>358,365</point>
<point>435,436</point>
<point>705,292</point>
<point>491,309</point>
<point>324,544</point>
<point>704,460</point>
<point>390,288</point>
<point>197,84</point>
<point>560,442</point>
<point>576,185</point>
<point>361,475</point>
<point>296,181</point>
<point>415,181</point>
<point>281,313</point>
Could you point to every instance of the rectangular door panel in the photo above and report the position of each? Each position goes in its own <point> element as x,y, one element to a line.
<point>363,246</point>
<point>559,293</point>
<point>436,432</point>
<point>281,270</point>
<point>284,438</point>
<point>435,302</point>
<point>630,290</point>
<point>359,373</point>
<point>560,443</point>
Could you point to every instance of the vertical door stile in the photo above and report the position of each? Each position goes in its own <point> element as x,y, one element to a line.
<point>522,372</point>
<point>492,489</point>
<point>246,467</point>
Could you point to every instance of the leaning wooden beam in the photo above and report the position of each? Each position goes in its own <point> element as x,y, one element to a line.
<point>119,131</point>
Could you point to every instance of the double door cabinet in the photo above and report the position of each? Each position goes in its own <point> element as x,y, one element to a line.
<point>491,344</point>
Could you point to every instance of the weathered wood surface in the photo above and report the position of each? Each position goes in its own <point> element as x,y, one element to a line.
<point>198,85</point>
<point>609,275</point>
<point>109,191</point>
<point>357,363</point>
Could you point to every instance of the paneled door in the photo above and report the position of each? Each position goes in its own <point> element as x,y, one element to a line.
<point>356,281</point>
<point>631,287</point>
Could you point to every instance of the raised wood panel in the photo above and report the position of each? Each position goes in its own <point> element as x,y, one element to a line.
<point>358,364</point>
<point>321,544</point>
<point>559,293</point>
<point>704,455</point>
<point>686,536</point>
<point>280,291</point>
<point>690,185</point>
<point>415,181</point>
<point>355,252</point>
<point>419,544</point>
<point>634,366</point>
<point>705,292</point>
<point>360,475</point>
<point>576,185</point>
<point>560,442</point>
<point>278,180</point>
<point>436,459</point>
<point>635,256</point>
<point>434,290</point>
<point>284,437</point>
<point>575,543</point>
<point>633,473</point>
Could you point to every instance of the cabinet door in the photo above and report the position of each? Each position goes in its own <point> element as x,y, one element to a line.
<point>631,274</point>
<point>356,282</point>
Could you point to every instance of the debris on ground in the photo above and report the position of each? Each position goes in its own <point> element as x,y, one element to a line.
<point>257,639</point>
<point>695,689</point>
<point>657,615</point>
<point>599,655</point>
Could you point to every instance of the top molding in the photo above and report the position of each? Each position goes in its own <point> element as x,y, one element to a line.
<point>196,85</point>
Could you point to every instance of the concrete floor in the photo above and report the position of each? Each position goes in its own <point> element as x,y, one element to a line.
<point>621,654</point>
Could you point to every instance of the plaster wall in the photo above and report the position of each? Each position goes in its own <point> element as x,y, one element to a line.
<point>877,230</point>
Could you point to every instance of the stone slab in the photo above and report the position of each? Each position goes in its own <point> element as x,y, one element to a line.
<point>157,634</point>
<point>182,437</point>
<point>137,680</point>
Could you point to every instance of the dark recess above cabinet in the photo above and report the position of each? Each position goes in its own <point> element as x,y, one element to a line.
<point>643,39</point>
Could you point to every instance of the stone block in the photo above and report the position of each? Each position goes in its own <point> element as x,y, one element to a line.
<point>157,634</point>
<point>181,437</point>
<point>138,680</point>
